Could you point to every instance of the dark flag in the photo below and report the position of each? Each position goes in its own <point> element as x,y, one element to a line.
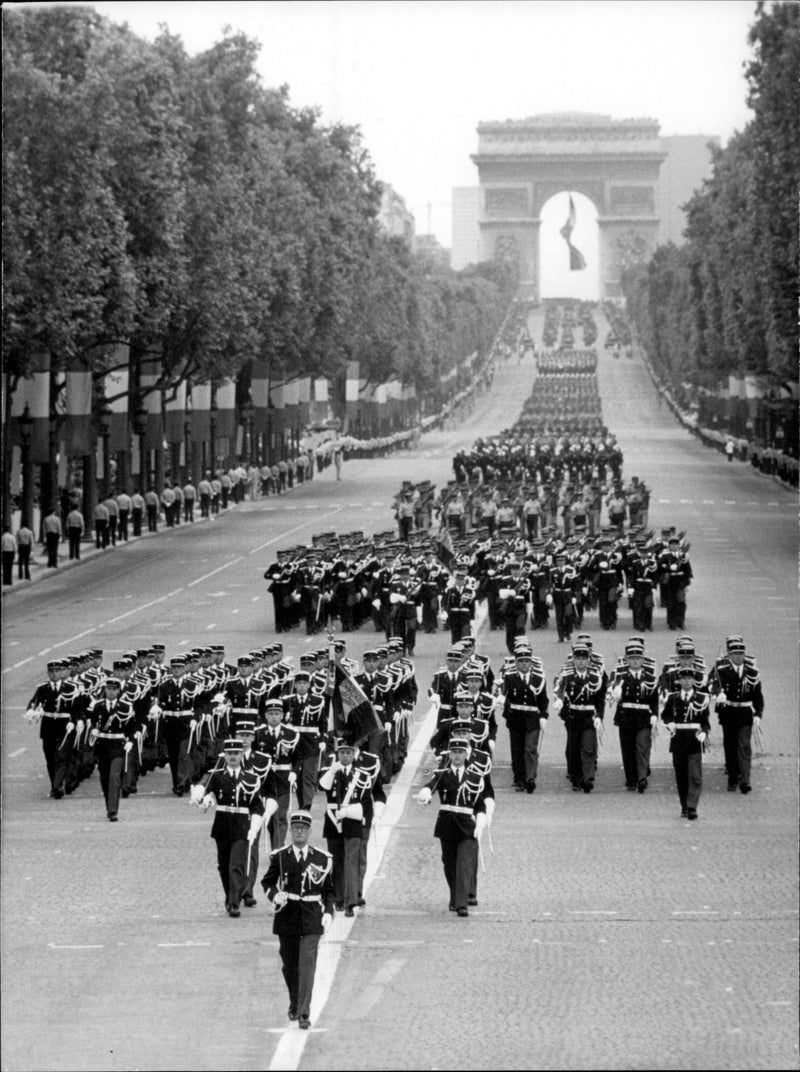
<point>357,711</point>
<point>576,259</point>
<point>445,551</point>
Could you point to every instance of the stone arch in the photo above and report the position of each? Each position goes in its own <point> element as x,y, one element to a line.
<point>613,162</point>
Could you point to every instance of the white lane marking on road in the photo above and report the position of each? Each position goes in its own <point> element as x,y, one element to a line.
<point>16,666</point>
<point>179,945</point>
<point>219,569</point>
<point>591,912</point>
<point>136,610</point>
<point>52,945</point>
<point>289,1050</point>
<point>212,626</point>
<point>17,751</point>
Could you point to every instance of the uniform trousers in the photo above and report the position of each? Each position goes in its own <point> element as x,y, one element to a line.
<point>101,532</point>
<point>180,763</point>
<point>458,859</point>
<point>581,750</point>
<point>8,567</point>
<point>252,874</point>
<point>137,521</point>
<point>524,753</point>
<point>689,776</point>
<point>346,853</point>
<point>635,745</point>
<point>123,525</point>
<point>299,964</point>
<point>279,823</point>
<point>110,769</point>
<point>736,742</point>
<point>232,866</point>
<point>56,759</point>
<point>306,771</point>
<point>74,538</point>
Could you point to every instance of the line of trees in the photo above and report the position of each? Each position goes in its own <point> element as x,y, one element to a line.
<point>177,207</point>
<point>725,303</point>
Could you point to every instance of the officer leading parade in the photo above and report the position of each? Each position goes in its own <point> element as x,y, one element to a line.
<point>400,641</point>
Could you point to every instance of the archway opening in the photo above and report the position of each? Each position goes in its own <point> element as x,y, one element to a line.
<point>559,274</point>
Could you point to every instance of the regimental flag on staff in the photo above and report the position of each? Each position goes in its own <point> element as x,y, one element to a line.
<point>576,259</point>
<point>357,711</point>
<point>445,551</point>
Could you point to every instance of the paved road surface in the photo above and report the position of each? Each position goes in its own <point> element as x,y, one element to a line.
<point>610,933</point>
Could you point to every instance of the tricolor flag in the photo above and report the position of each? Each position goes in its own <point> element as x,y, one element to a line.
<point>576,258</point>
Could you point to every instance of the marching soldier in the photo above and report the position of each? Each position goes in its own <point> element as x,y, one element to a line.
<point>676,576</point>
<point>460,823</point>
<point>237,822</point>
<point>525,709</point>
<point>736,686</point>
<point>563,581</point>
<point>280,742</point>
<point>444,685</point>
<point>305,715</point>
<point>458,606</point>
<point>45,706</point>
<point>685,715</point>
<point>245,694</point>
<point>635,693</point>
<point>299,884</point>
<point>175,705</point>
<point>580,700</point>
<point>113,740</point>
<point>259,764</point>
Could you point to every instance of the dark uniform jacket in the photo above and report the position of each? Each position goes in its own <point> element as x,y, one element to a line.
<point>743,695</point>
<point>525,702</point>
<point>460,802</point>
<point>310,887</point>
<point>681,711</point>
<point>235,805</point>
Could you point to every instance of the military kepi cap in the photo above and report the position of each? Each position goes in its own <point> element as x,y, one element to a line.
<point>302,818</point>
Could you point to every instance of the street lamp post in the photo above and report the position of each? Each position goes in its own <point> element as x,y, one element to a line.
<point>26,435</point>
<point>139,426</point>
<point>247,413</point>
<point>212,445</point>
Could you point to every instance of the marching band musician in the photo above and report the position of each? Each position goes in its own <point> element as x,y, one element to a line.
<point>113,740</point>
<point>299,884</point>
<point>525,709</point>
<point>635,693</point>
<point>580,700</point>
<point>685,715</point>
<point>740,706</point>
<point>460,822</point>
<point>237,822</point>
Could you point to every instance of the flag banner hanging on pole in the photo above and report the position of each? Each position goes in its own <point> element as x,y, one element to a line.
<point>358,712</point>
<point>577,261</point>
<point>445,551</point>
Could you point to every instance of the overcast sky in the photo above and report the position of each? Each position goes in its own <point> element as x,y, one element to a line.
<point>417,77</point>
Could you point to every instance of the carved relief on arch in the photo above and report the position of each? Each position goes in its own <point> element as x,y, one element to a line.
<point>506,248</point>
<point>632,249</point>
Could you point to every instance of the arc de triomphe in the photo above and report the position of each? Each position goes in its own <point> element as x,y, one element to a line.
<point>614,162</point>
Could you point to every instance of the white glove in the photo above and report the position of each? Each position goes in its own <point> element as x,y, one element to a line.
<point>480,824</point>
<point>81,724</point>
<point>327,919</point>
<point>700,736</point>
<point>616,692</point>
<point>585,590</point>
<point>443,617</point>
<point>630,593</point>
<point>548,600</point>
<point>70,726</point>
<point>671,728</point>
<point>424,795</point>
<point>596,723</point>
<point>155,711</point>
<point>557,704</point>
<point>489,810</point>
<point>376,604</point>
<point>196,794</point>
<point>435,697</point>
<point>364,593</point>
<point>256,822</point>
<point>322,746</point>
<point>491,745</point>
<point>280,899</point>
<point>208,800</point>
<point>128,746</point>
<point>378,808</point>
<point>542,724</point>
<point>653,721</point>
<point>93,736</point>
<point>292,778</point>
<point>193,724</point>
<point>138,735</point>
<point>721,697</point>
<point>218,698</point>
<point>387,726</point>
<point>756,721</point>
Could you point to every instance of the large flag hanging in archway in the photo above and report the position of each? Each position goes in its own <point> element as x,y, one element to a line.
<point>576,259</point>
